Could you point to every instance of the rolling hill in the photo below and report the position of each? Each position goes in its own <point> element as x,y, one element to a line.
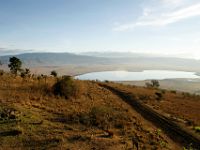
<point>89,62</point>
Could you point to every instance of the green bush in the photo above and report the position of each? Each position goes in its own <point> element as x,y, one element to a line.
<point>65,87</point>
<point>197,129</point>
<point>14,65</point>
<point>54,73</point>
<point>155,83</point>
<point>106,81</point>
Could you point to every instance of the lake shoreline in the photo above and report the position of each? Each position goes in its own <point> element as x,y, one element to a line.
<point>141,75</point>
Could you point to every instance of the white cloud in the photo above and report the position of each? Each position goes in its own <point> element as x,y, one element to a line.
<point>197,41</point>
<point>172,1</point>
<point>147,12</point>
<point>162,18</point>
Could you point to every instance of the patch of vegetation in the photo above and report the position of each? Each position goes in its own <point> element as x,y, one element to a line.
<point>153,84</point>
<point>15,65</point>
<point>11,133</point>
<point>158,132</point>
<point>159,95</point>
<point>163,91</point>
<point>65,87</point>
<point>42,143</point>
<point>105,117</point>
<point>106,81</point>
<point>41,88</point>
<point>100,116</point>
<point>197,129</point>
<point>7,114</point>
<point>76,138</point>
<point>163,144</point>
<point>54,73</point>
<point>173,91</point>
<point>144,97</point>
<point>190,147</point>
<point>25,73</point>
<point>1,72</point>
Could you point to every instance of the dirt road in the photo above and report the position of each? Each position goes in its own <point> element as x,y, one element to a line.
<point>173,130</point>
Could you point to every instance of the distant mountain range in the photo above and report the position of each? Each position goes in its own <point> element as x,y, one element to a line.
<point>132,60</point>
<point>117,54</point>
<point>54,59</point>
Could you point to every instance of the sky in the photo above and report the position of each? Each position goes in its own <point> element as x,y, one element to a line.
<point>166,27</point>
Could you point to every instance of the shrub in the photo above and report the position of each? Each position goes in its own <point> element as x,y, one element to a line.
<point>158,132</point>
<point>173,91</point>
<point>64,87</point>
<point>148,85</point>
<point>54,73</point>
<point>144,97</point>
<point>100,116</point>
<point>79,89</point>
<point>153,84</point>
<point>163,91</point>
<point>25,72</point>
<point>105,117</point>
<point>159,95</point>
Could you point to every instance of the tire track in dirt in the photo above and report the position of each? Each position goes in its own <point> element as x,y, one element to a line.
<point>173,130</point>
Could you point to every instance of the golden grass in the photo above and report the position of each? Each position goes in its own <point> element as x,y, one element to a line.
<point>180,105</point>
<point>93,117</point>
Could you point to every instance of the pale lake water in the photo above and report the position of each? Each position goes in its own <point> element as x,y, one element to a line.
<point>138,76</point>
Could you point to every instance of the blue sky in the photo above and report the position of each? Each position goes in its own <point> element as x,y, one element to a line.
<point>167,27</point>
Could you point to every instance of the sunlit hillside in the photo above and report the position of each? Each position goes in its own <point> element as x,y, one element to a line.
<point>93,117</point>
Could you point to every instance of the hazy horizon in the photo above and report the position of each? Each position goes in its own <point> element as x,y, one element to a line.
<point>92,53</point>
<point>157,27</point>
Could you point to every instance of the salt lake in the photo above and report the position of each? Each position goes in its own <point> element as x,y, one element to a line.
<point>138,76</point>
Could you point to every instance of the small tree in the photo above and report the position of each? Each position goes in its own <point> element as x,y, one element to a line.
<point>1,71</point>
<point>15,65</point>
<point>155,83</point>
<point>54,73</point>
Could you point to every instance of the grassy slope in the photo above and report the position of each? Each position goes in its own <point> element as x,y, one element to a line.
<point>31,117</point>
<point>181,105</point>
<point>184,85</point>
